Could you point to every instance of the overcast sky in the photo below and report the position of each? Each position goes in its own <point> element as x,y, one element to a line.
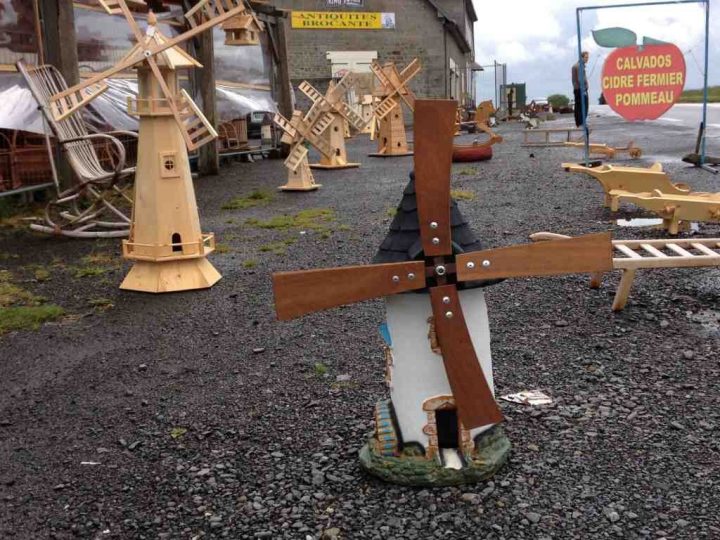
<point>537,39</point>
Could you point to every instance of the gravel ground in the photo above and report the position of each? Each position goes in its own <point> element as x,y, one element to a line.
<point>196,415</point>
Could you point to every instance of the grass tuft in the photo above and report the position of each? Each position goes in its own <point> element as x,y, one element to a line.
<point>27,317</point>
<point>315,219</point>
<point>222,248</point>
<point>462,195</point>
<point>249,264</point>
<point>320,369</point>
<point>256,198</point>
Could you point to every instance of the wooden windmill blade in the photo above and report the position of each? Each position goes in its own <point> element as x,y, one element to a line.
<point>351,116</point>
<point>113,6</point>
<point>296,156</point>
<point>209,11</point>
<point>338,92</point>
<point>313,133</point>
<point>303,292</point>
<point>407,95</point>
<point>433,163</point>
<point>310,91</point>
<point>385,106</point>
<point>289,131</point>
<point>380,74</point>
<point>434,130</point>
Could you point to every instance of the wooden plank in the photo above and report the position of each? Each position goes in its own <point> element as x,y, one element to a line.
<point>302,292</point>
<point>475,402</point>
<point>668,262</point>
<point>434,132</point>
<point>621,295</point>
<point>584,254</point>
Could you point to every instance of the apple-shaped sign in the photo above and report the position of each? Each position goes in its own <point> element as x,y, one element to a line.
<point>643,82</point>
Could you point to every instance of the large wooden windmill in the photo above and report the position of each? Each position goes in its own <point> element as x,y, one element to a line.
<point>392,91</point>
<point>299,132</point>
<point>334,102</point>
<point>436,264</point>
<point>166,243</point>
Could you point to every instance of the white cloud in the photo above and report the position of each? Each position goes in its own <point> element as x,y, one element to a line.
<point>537,38</point>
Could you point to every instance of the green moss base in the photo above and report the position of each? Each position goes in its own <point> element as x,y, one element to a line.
<point>491,451</point>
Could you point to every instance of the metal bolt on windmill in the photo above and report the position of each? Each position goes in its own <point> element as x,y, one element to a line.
<point>334,102</point>
<point>299,132</point>
<point>392,91</point>
<point>440,425</point>
<point>166,243</point>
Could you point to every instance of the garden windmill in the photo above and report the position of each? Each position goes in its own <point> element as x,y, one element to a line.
<point>334,102</point>
<point>166,243</point>
<point>393,90</point>
<point>299,132</point>
<point>436,263</point>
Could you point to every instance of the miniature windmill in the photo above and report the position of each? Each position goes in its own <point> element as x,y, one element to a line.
<point>434,262</point>
<point>334,103</point>
<point>166,243</point>
<point>393,90</point>
<point>298,133</point>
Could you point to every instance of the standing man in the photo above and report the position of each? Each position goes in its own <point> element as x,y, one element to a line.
<point>581,96</point>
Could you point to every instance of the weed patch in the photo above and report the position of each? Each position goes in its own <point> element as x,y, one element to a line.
<point>27,317</point>
<point>256,198</point>
<point>461,195</point>
<point>249,264</point>
<point>315,219</point>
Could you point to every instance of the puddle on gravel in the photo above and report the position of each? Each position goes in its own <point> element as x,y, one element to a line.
<point>707,318</point>
<point>650,222</point>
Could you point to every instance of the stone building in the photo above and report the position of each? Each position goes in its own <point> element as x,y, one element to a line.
<point>328,36</point>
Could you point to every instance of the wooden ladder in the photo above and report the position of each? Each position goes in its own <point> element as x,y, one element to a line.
<point>632,255</point>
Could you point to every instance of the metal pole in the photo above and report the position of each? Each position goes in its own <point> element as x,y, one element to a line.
<point>705,79</point>
<point>581,81</point>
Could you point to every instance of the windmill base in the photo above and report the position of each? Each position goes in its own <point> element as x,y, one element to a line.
<point>385,154</point>
<point>491,451</point>
<point>288,187</point>
<point>338,166</point>
<point>171,276</point>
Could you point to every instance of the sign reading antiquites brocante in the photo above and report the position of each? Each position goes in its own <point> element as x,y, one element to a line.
<point>642,83</point>
<point>342,20</point>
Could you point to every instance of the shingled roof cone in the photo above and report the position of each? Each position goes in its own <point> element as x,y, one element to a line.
<point>418,438</point>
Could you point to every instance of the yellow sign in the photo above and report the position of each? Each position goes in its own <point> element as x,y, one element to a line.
<point>342,20</point>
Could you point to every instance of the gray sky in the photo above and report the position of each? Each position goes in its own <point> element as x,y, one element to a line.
<point>537,40</point>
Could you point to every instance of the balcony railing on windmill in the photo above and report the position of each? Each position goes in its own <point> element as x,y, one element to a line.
<point>173,251</point>
<point>148,107</point>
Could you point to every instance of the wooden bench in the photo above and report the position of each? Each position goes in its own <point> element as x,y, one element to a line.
<point>633,255</point>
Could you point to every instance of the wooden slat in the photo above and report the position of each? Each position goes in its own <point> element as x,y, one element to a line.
<point>475,403</point>
<point>627,251</point>
<point>706,250</point>
<point>653,250</point>
<point>677,249</point>
<point>584,254</point>
<point>434,132</point>
<point>298,293</point>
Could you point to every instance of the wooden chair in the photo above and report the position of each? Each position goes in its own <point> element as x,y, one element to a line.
<point>97,205</point>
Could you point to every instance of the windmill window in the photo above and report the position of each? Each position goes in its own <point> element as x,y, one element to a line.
<point>337,151</point>
<point>336,128</point>
<point>169,165</point>
<point>176,242</point>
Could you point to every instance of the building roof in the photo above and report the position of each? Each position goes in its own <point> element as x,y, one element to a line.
<point>403,242</point>
<point>455,30</point>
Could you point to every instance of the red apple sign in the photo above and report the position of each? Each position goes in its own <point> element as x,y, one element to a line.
<point>642,83</point>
